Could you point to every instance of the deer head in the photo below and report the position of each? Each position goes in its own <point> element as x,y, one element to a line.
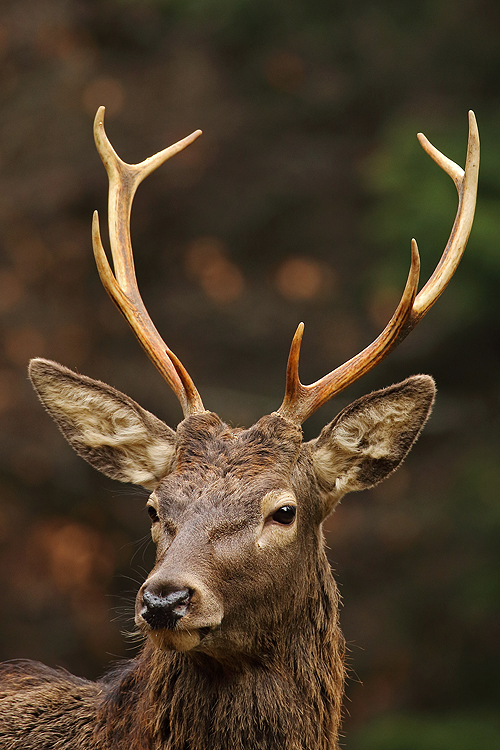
<point>236,513</point>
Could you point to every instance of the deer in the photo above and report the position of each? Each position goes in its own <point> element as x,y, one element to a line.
<point>240,614</point>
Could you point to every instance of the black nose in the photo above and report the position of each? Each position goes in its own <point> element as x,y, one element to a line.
<point>165,609</point>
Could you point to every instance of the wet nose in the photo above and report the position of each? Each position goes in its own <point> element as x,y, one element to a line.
<point>164,608</point>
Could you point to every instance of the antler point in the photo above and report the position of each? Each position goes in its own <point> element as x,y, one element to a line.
<point>99,117</point>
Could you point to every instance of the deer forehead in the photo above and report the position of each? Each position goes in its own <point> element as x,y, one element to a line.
<point>229,478</point>
<point>208,451</point>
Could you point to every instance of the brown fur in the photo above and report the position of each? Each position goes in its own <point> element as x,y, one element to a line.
<point>256,663</point>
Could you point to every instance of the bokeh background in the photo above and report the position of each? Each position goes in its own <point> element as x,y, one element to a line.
<point>298,203</point>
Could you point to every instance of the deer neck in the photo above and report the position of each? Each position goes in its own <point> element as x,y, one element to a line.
<point>285,694</point>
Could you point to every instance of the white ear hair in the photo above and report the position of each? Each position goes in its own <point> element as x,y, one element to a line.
<point>107,428</point>
<point>369,439</point>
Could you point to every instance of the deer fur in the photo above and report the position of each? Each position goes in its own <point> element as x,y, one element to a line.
<point>255,661</point>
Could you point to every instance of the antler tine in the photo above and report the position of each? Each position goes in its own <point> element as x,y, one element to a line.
<point>302,400</point>
<point>122,285</point>
<point>466,184</point>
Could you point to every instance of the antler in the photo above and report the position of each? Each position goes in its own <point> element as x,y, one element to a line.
<point>302,400</point>
<point>122,285</point>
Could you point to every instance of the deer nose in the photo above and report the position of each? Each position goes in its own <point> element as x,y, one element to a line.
<point>165,608</point>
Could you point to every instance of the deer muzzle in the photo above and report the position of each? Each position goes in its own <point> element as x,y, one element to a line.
<point>176,615</point>
<point>166,609</point>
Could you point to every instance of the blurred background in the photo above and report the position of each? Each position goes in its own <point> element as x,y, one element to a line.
<point>298,203</point>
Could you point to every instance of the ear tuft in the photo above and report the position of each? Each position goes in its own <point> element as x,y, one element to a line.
<point>369,439</point>
<point>107,428</point>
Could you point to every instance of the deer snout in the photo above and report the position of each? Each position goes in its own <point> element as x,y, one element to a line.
<point>164,608</point>
<point>177,613</point>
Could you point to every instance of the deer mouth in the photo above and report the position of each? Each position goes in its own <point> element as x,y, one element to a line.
<point>179,639</point>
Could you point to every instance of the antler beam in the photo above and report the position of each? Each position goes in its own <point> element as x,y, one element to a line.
<point>122,285</point>
<point>302,400</point>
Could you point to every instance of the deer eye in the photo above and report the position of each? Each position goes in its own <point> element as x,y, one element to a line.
<point>152,513</point>
<point>285,515</point>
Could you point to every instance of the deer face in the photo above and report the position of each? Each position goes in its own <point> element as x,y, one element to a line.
<point>227,510</point>
<point>236,514</point>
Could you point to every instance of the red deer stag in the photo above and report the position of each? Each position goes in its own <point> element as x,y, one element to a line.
<point>240,613</point>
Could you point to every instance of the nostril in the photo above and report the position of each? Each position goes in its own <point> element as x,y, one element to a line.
<point>164,610</point>
<point>179,598</point>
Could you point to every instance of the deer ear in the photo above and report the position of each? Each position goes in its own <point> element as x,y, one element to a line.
<point>107,428</point>
<point>369,439</point>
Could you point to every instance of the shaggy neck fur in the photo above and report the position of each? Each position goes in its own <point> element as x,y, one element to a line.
<point>287,694</point>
